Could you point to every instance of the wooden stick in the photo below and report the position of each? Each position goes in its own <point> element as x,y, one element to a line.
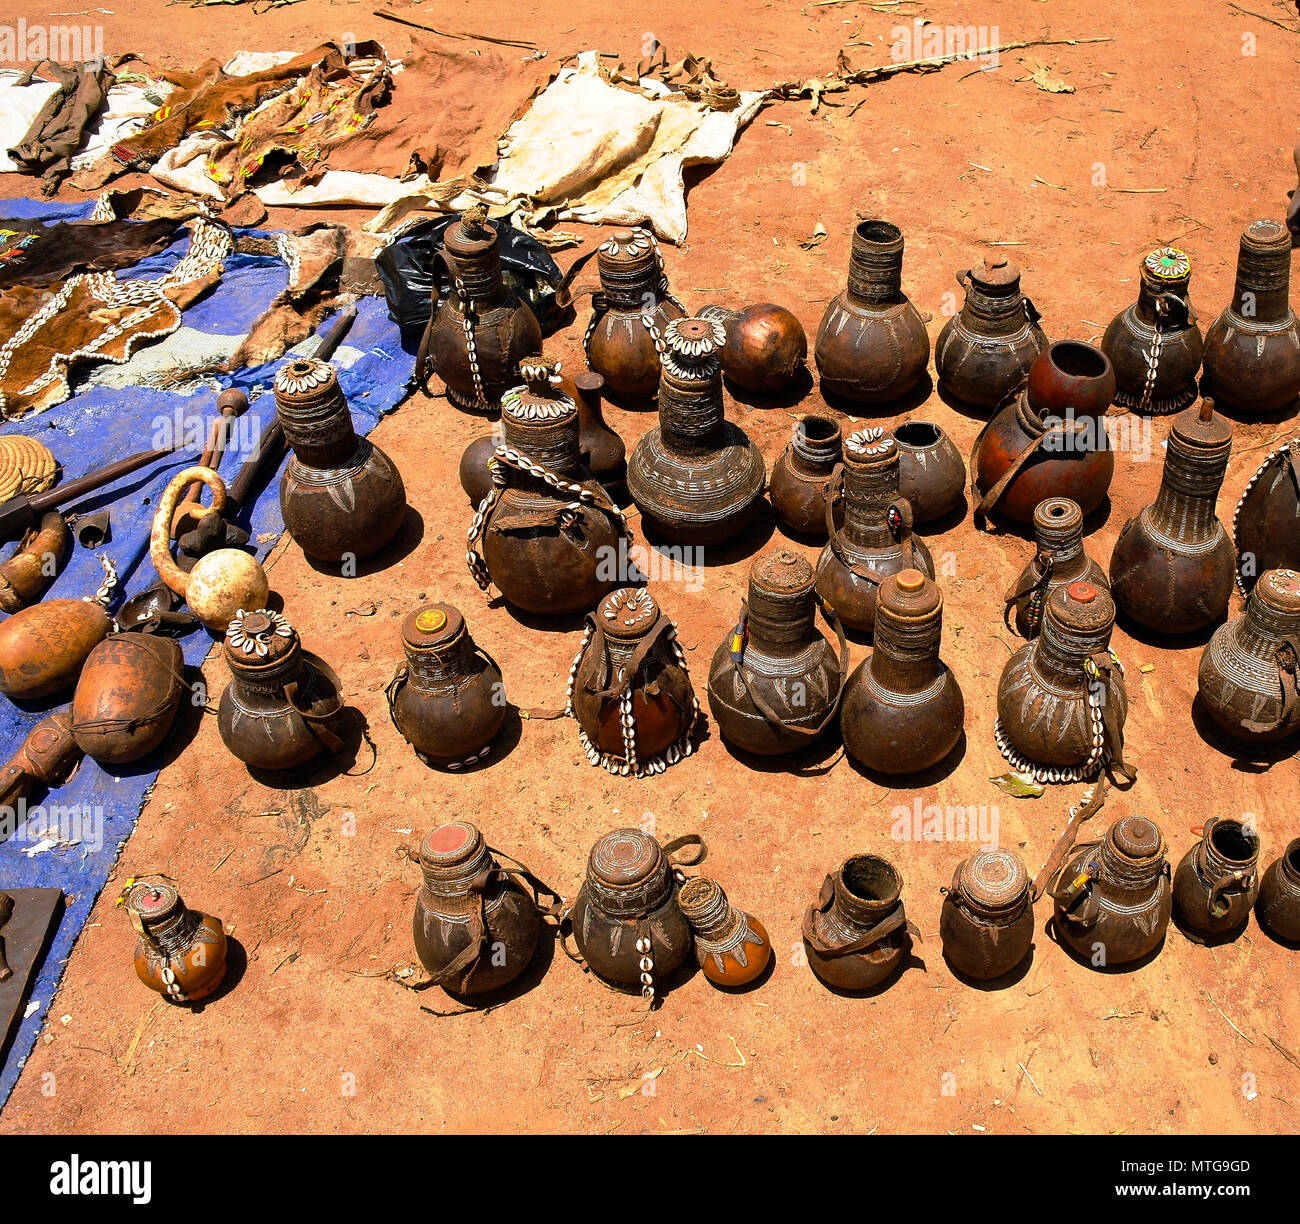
<point>415,25</point>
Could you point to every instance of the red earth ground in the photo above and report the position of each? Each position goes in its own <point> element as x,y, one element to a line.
<point>313,1038</point>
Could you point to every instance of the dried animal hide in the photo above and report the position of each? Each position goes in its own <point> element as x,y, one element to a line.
<point>60,128</point>
<point>36,254</point>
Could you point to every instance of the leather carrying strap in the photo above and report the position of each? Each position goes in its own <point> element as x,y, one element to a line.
<point>893,921</point>
<point>609,686</point>
<point>1026,587</point>
<point>423,363</point>
<point>903,534</point>
<point>1287,659</point>
<point>988,503</point>
<point>316,723</point>
<point>1111,725</point>
<point>1079,815</point>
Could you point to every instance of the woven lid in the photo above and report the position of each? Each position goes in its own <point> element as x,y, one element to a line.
<point>909,594</point>
<point>993,878</point>
<point>1201,426</point>
<point>1136,837</point>
<point>625,856</point>
<point>471,235</point>
<point>694,341</point>
<point>870,445</point>
<point>628,613</point>
<point>1057,519</point>
<point>1280,589</point>
<point>783,572</point>
<point>449,844</point>
<point>432,625</point>
<point>1268,233</point>
<point>26,466</point>
<point>995,272</point>
<point>153,900</point>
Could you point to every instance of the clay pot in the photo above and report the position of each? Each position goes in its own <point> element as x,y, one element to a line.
<point>802,475</point>
<point>876,538</point>
<point>1278,907</point>
<point>857,934</point>
<point>127,697</point>
<point>732,947</point>
<point>181,952</point>
<point>549,545</point>
<point>983,354</point>
<point>987,919</point>
<point>1173,565</point>
<point>342,498</point>
<point>627,923</point>
<point>476,930</point>
<point>696,478</point>
<point>222,582</point>
<point>775,682</point>
<point>903,709</point>
<point>479,334</point>
<point>1058,561</point>
<point>872,346</point>
<point>630,314</point>
<point>277,710</point>
<point>1051,440</point>
<point>448,700</point>
<point>1113,898</point>
<point>629,687</point>
<point>1217,880</point>
<point>602,449</point>
<point>1061,699</point>
<point>1252,350</point>
<point>931,473</point>
<point>1266,526</point>
<point>766,346</point>
<point>1155,344</point>
<point>1248,679</point>
<point>43,648</point>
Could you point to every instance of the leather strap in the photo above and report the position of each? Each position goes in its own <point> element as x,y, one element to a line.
<point>1079,815</point>
<point>316,723</point>
<point>1026,586</point>
<point>1111,725</point>
<point>900,507</point>
<point>988,503</point>
<point>892,921</point>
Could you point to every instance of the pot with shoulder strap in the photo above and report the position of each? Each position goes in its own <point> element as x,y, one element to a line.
<point>775,683</point>
<point>629,687</point>
<point>448,700</point>
<point>477,923</point>
<point>1113,897</point>
<point>987,919</point>
<point>1249,676</point>
<point>876,539</point>
<point>903,709</point>
<point>1060,559</point>
<point>277,711</point>
<point>550,535</point>
<point>1217,881</point>
<point>858,934</point>
<point>627,923</point>
<point>1050,440</point>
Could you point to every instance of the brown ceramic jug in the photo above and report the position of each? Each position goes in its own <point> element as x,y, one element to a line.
<point>775,683</point>
<point>696,477</point>
<point>1266,524</point>
<point>802,475</point>
<point>983,353</point>
<point>625,338</point>
<point>766,346</point>
<point>550,534</point>
<point>1252,350</point>
<point>277,711</point>
<point>1050,441</point>
<point>1173,565</point>
<point>858,935</point>
<point>1061,699</point>
<point>987,919</point>
<point>731,946</point>
<point>1059,560</point>
<point>1155,344</point>
<point>629,687</point>
<point>477,336</point>
<point>1278,907</point>
<point>1249,675</point>
<point>1216,882</point>
<point>181,952</point>
<point>602,449</point>
<point>342,498</point>
<point>931,472</point>
<point>476,929</point>
<point>872,346</point>
<point>127,697</point>
<point>903,710</point>
<point>876,538</point>
<point>1113,897</point>
<point>448,699</point>
<point>627,923</point>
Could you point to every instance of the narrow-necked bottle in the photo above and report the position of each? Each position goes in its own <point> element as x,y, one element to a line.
<point>1060,559</point>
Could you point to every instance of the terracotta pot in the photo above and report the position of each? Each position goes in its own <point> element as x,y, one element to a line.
<point>1278,907</point>
<point>181,952</point>
<point>127,697</point>
<point>984,353</point>
<point>1113,898</point>
<point>1252,350</point>
<point>872,346</point>
<point>857,935</point>
<point>766,346</point>
<point>802,475</point>
<point>1173,565</point>
<point>731,946</point>
<point>448,699</point>
<point>987,919</point>
<point>1217,880</point>
<point>1051,440</point>
<point>1155,344</point>
<point>602,449</point>
<point>931,473</point>
<point>342,497</point>
<point>696,478</point>
<point>1059,561</point>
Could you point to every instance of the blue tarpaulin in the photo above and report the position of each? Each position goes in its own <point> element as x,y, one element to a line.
<point>96,426</point>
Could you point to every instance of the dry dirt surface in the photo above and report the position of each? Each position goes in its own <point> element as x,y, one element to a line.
<point>311,1036</point>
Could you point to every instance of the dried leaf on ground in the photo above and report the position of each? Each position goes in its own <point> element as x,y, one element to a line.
<point>1018,785</point>
<point>1041,75</point>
